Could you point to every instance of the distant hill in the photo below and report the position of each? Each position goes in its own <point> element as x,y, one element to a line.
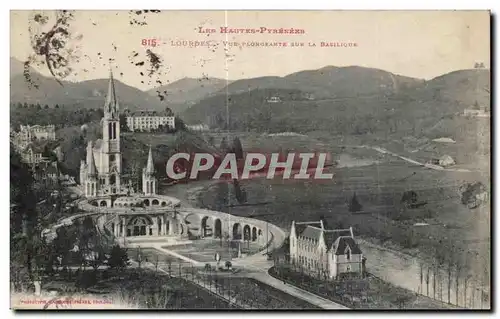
<point>17,68</point>
<point>463,86</point>
<point>86,94</point>
<point>187,91</point>
<point>350,100</point>
<point>331,82</point>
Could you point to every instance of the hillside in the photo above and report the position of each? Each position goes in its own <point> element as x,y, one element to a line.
<point>331,82</point>
<point>410,108</point>
<point>86,94</point>
<point>185,92</point>
<point>17,68</point>
<point>463,86</point>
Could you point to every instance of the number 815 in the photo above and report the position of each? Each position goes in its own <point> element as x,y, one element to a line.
<point>149,42</point>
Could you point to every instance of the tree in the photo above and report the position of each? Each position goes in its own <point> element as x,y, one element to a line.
<point>409,198</point>
<point>46,106</point>
<point>237,148</point>
<point>208,267</point>
<point>179,124</point>
<point>23,217</point>
<point>228,265</point>
<point>224,147</point>
<point>118,258</point>
<point>123,123</point>
<point>139,257</point>
<point>38,106</point>
<point>473,194</point>
<point>354,205</point>
<point>168,112</point>
<point>62,245</point>
<point>240,193</point>
<point>97,255</point>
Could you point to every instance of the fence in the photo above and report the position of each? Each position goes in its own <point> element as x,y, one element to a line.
<point>349,292</point>
<point>186,271</point>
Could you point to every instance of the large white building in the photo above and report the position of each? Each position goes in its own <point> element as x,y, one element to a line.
<point>149,120</point>
<point>323,252</point>
<point>40,132</point>
<point>36,134</point>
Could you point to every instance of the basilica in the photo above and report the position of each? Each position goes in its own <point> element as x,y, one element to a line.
<point>100,174</point>
<point>127,213</point>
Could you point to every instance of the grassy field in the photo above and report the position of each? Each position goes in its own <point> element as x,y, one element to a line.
<point>453,230</point>
<point>205,250</point>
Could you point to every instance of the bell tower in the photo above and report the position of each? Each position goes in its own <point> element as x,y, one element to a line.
<point>111,152</point>
<point>149,185</point>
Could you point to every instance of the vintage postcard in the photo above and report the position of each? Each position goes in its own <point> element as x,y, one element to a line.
<point>250,160</point>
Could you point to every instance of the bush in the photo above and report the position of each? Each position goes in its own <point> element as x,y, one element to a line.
<point>118,258</point>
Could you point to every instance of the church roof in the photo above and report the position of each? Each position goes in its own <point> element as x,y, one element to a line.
<point>92,168</point>
<point>111,105</point>
<point>301,226</point>
<point>90,160</point>
<point>343,242</point>
<point>311,232</point>
<point>150,168</point>
<point>332,235</point>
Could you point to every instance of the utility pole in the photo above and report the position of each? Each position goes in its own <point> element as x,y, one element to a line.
<point>267,239</point>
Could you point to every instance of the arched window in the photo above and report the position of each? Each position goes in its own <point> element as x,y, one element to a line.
<point>348,254</point>
<point>110,131</point>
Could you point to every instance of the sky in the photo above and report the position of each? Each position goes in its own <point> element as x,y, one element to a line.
<point>421,44</point>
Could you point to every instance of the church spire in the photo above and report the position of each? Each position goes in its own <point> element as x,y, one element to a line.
<point>90,160</point>
<point>111,105</point>
<point>150,167</point>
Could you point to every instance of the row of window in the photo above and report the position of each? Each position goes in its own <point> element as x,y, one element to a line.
<point>306,246</point>
<point>150,123</point>
<point>310,263</point>
<point>150,119</point>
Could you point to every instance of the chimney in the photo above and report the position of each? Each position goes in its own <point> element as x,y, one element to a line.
<point>324,224</point>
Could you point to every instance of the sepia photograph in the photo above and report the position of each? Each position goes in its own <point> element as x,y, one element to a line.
<point>250,160</point>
